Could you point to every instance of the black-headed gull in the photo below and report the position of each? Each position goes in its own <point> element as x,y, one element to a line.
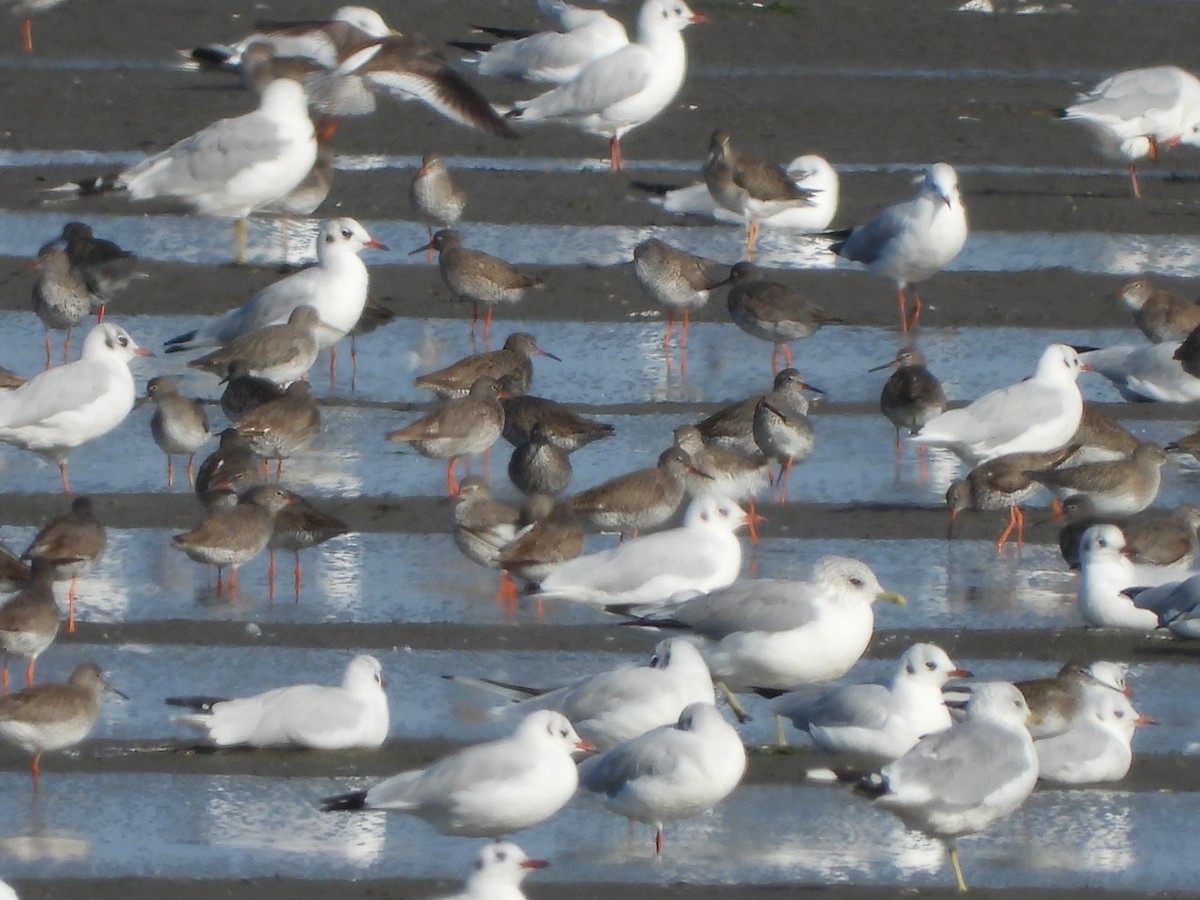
<point>963,779</point>
<point>60,409</point>
<point>53,716</point>
<point>1175,603</point>
<point>486,790</point>
<point>618,704</point>
<point>1138,112</point>
<point>1036,415</point>
<point>553,57</point>
<point>780,635</point>
<point>1146,371</point>
<point>316,716</point>
<point>872,724</point>
<point>671,772</point>
<point>1096,745</point>
<point>912,240</point>
<point>336,287</point>
<point>701,555</point>
<point>326,43</point>
<point>1105,573</point>
<point>618,92</point>
<point>499,870</point>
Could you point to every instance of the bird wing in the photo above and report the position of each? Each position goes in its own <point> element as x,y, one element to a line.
<point>846,706</point>
<point>959,767</point>
<point>753,605</point>
<point>58,390</point>
<point>655,754</point>
<point>606,81</point>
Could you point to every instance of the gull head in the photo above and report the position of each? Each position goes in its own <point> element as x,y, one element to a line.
<point>666,16</point>
<point>345,235</point>
<point>365,20</point>
<point>942,182</point>
<point>714,512</point>
<point>852,578</point>
<point>1103,544</point>
<point>551,728</point>
<point>1059,364</point>
<point>110,339</point>
<point>504,861</point>
<point>931,664</point>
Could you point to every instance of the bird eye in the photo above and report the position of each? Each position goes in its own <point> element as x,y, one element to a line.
<point>856,581</point>
<point>655,661</point>
<point>124,342</point>
<point>347,233</point>
<point>931,665</point>
<point>501,856</point>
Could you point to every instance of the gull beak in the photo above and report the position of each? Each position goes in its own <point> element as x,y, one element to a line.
<point>1145,720</point>
<point>1033,718</point>
<point>891,597</point>
<point>534,864</point>
<point>699,18</point>
<point>585,746</point>
<point>143,351</point>
<point>377,245</point>
<point>961,673</point>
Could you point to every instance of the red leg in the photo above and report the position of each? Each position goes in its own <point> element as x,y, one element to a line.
<point>62,473</point>
<point>233,581</point>
<point>1020,516</point>
<point>297,577</point>
<point>1012,523</point>
<point>902,304</point>
<point>775,360</point>
<point>751,238</point>
<point>35,769</point>
<point>752,520</point>
<point>1133,179</point>
<point>4,677</point>
<point>170,472</point>
<point>100,314</point>
<point>487,329</point>
<point>451,481</point>
<point>191,473</point>
<point>658,841</point>
<point>71,606</point>
<point>687,320</point>
<point>670,327</point>
<point>784,474</point>
<point>915,316</point>
<point>27,46</point>
<point>29,669</point>
<point>333,365</point>
<point>787,354</point>
<point>615,160</point>
<point>48,361</point>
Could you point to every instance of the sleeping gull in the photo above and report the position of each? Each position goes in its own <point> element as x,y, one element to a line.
<point>702,555</point>
<point>59,409</point>
<point>1037,415</point>
<point>963,779</point>
<point>1137,112</point>
<point>873,724</point>
<point>1105,573</point>
<point>910,241</point>
<point>618,704</point>
<point>320,717</point>
<point>489,789</point>
<point>1095,747</point>
<point>499,870</point>
<point>617,93</point>
<point>780,634</point>
<point>672,772</point>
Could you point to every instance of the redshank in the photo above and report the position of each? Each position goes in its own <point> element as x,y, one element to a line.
<point>1118,488</point>
<point>912,395</point>
<point>733,426</point>
<point>753,188</point>
<point>782,429</point>
<point>458,428</point>
<point>477,277</point>
<point>483,527</point>
<point>550,536</point>
<point>29,624</point>
<point>233,536</point>
<point>643,500</point>
<point>243,391</point>
<point>282,428</point>
<point>60,297</point>
<point>1160,314</point>
<point>539,466</point>
<point>69,545</point>
<point>300,526</point>
<point>675,280</point>
<point>179,424</point>
<point>54,716</point>
<point>231,470</point>
<point>512,364</point>
<point>103,266</point>
<point>1100,438</point>
<point>14,573</point>
<point>435,197</point>
<point>278,353</point>
<point>771,311</point>
<point>567,429</point>
<point>913,240</point>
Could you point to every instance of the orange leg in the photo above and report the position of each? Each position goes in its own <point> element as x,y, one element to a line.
<point>752,520</point>
<point>67,345</point>
<point>787,354</point>
<point>683,332</point>
<point>451,481</point>
<point>48,360</point>
<point>751,237</point>
<point>191,472</point>
<point>615,159</point>
<point>297,577</point>
<point>658,841</point>
<point>1133,179</point>
<point>670,328</point>
<point>233,581</point>
<point>27,35</point>
<point>71,606</point>
<point>915,316</point>
<point>487,329</point>
<point>333,366</point>
<point>785,473</point>
<point>1013,513</point>
<point>775,360</point>
<point>100,313</point>
<point>4,677</point>
<point>170,472</point>
<point>902,304</point>
<point>29,668</point>
<point>35,769</point>
<point>271,577</point>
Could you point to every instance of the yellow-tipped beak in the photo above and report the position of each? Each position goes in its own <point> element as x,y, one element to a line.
<point>891,597</point>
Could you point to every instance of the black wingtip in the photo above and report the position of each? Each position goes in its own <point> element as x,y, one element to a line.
<point>355,800</point>
<point>873,785</point>
<point>1062,113</point>
<point>199,704</point>
<point>179,339</point>
<point>471,46</point>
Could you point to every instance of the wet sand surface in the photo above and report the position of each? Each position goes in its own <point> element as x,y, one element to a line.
<point>879,88</point>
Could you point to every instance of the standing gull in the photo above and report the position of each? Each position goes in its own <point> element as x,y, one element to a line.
<point>616,93</point>
<point>912,240</point>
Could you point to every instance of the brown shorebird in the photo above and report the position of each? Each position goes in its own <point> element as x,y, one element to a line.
<point>566,429</point>
<point>733,426</point>
<point>1188,353</point>
<point>435,197</point>
<point>549,536</point>
<point>179,424</point>
<point>737,476</point>
<point>60,297</point>
<point>1080,515</point>
<point>103,266</point>
<point>10,380</point>
<point>69,546</point>
<point>53,716</point>
<point>458,428</point>
<point>282,428</point>
<point>231,537</point>
<point>28,624</point>
<point>912,395</point>
<point>243,391</point>
<point>1168,540</point>
<point>483,527</point>
<point>512,364</point>
<point>1100,438</point>
<point>539,466</point>
<point>753,188</point>
<point>1161,315</point>
<point>298,526</point>
<point>638,501</point>
<point>782,430</point>
<point>1119,487</point>
<point>278,353</point>
<point>1003,483</point>
<point>675,280</point>
<point>232,469</point>
<point>1056,700</point>
<point>771,311</point>
<point>477,277</point>
<point>14,573</point>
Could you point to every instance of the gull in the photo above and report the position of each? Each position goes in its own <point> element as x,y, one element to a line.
<point>1176,604</point>
<point>352,714</point>
<point>486,790</point>
<point>66,406</point>
<point>499,870</point>
<point>912,240</point>
<point>1037,415</point>
<point>1105,572</point>
<point>1146,371</point>
<point>1137,112</point>
<point>1160,314</point>
<point>779,635</point>
<point>616,705</point>
<point>703,554</point>
<point>232,167</point>
<point>963,779</point>
<point>754,188</point>
<point>53,716</point>
<point>873,724</point>
<point>1057,701</point>
<point>553,57</point>
<point>808,172</point>
<point>1096,746</point>
<point>671,772</point>
<point>627,88</point>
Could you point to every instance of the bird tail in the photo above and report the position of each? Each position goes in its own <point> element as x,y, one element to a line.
<point>873,785</point>
<point>180,342</point>
<point>89,187</point>
<point>197,704</point>
<point>355,800</point>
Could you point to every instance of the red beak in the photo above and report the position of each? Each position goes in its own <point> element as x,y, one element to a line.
<point>376,245</point>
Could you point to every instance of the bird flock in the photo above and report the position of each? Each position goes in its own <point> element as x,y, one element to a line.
<point>656,742</point>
